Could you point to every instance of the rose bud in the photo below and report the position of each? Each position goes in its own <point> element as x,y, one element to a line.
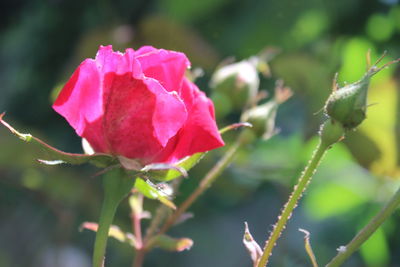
<point>348,105</point>
<point>239,82</point>
<point>139,105</point>
<point>262,117</point>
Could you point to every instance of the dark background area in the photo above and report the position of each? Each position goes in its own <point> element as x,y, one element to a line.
<point>42,207</point>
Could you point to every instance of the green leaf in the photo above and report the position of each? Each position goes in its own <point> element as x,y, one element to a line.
<point>114,232</point>
<point>150,190</point>
<point>170,244</point>
<point>55,156</point>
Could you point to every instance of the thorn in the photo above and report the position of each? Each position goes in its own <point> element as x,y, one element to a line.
<point>334,82</point>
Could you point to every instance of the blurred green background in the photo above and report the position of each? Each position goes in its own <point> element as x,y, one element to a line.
<point>42,207</point>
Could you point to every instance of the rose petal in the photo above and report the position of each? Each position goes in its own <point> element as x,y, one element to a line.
<point>139,105</point>
<point>167,67</point>
<point>140,117</point>
<point>80,103</point>
<point>200,132</point>
<point>119,63</point>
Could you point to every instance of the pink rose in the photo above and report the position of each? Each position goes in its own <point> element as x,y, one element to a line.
<point>139,104</point>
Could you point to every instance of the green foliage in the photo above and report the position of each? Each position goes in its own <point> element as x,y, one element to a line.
<point>42,206</point>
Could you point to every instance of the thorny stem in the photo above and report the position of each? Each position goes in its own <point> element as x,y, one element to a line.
<point>292,202</point>
<point>346,251</point>
<point>210,177</point>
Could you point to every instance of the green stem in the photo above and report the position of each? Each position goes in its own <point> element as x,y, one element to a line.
<point>346,251</point>
<point>330,133</point>
<point>292,202</point>
<point>116,187</point>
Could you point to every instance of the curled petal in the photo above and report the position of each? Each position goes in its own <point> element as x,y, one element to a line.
<point>200,132</point>
<point>167,67</point>
<point>140,117</point>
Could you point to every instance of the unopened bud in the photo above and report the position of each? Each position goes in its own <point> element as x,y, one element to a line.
<point>348,105</point>
<point>222,104</point>
<point>238,81</point>
<point>262,117</point>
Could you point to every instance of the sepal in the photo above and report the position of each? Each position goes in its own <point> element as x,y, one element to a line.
<point>167,172</point>
<point>55,156</point>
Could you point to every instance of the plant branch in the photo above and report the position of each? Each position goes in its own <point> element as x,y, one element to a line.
<point>139,257</point>
<point>136,204</point>
<point>136,217</point>
<point>210,177</point>
<point>346,251</point>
